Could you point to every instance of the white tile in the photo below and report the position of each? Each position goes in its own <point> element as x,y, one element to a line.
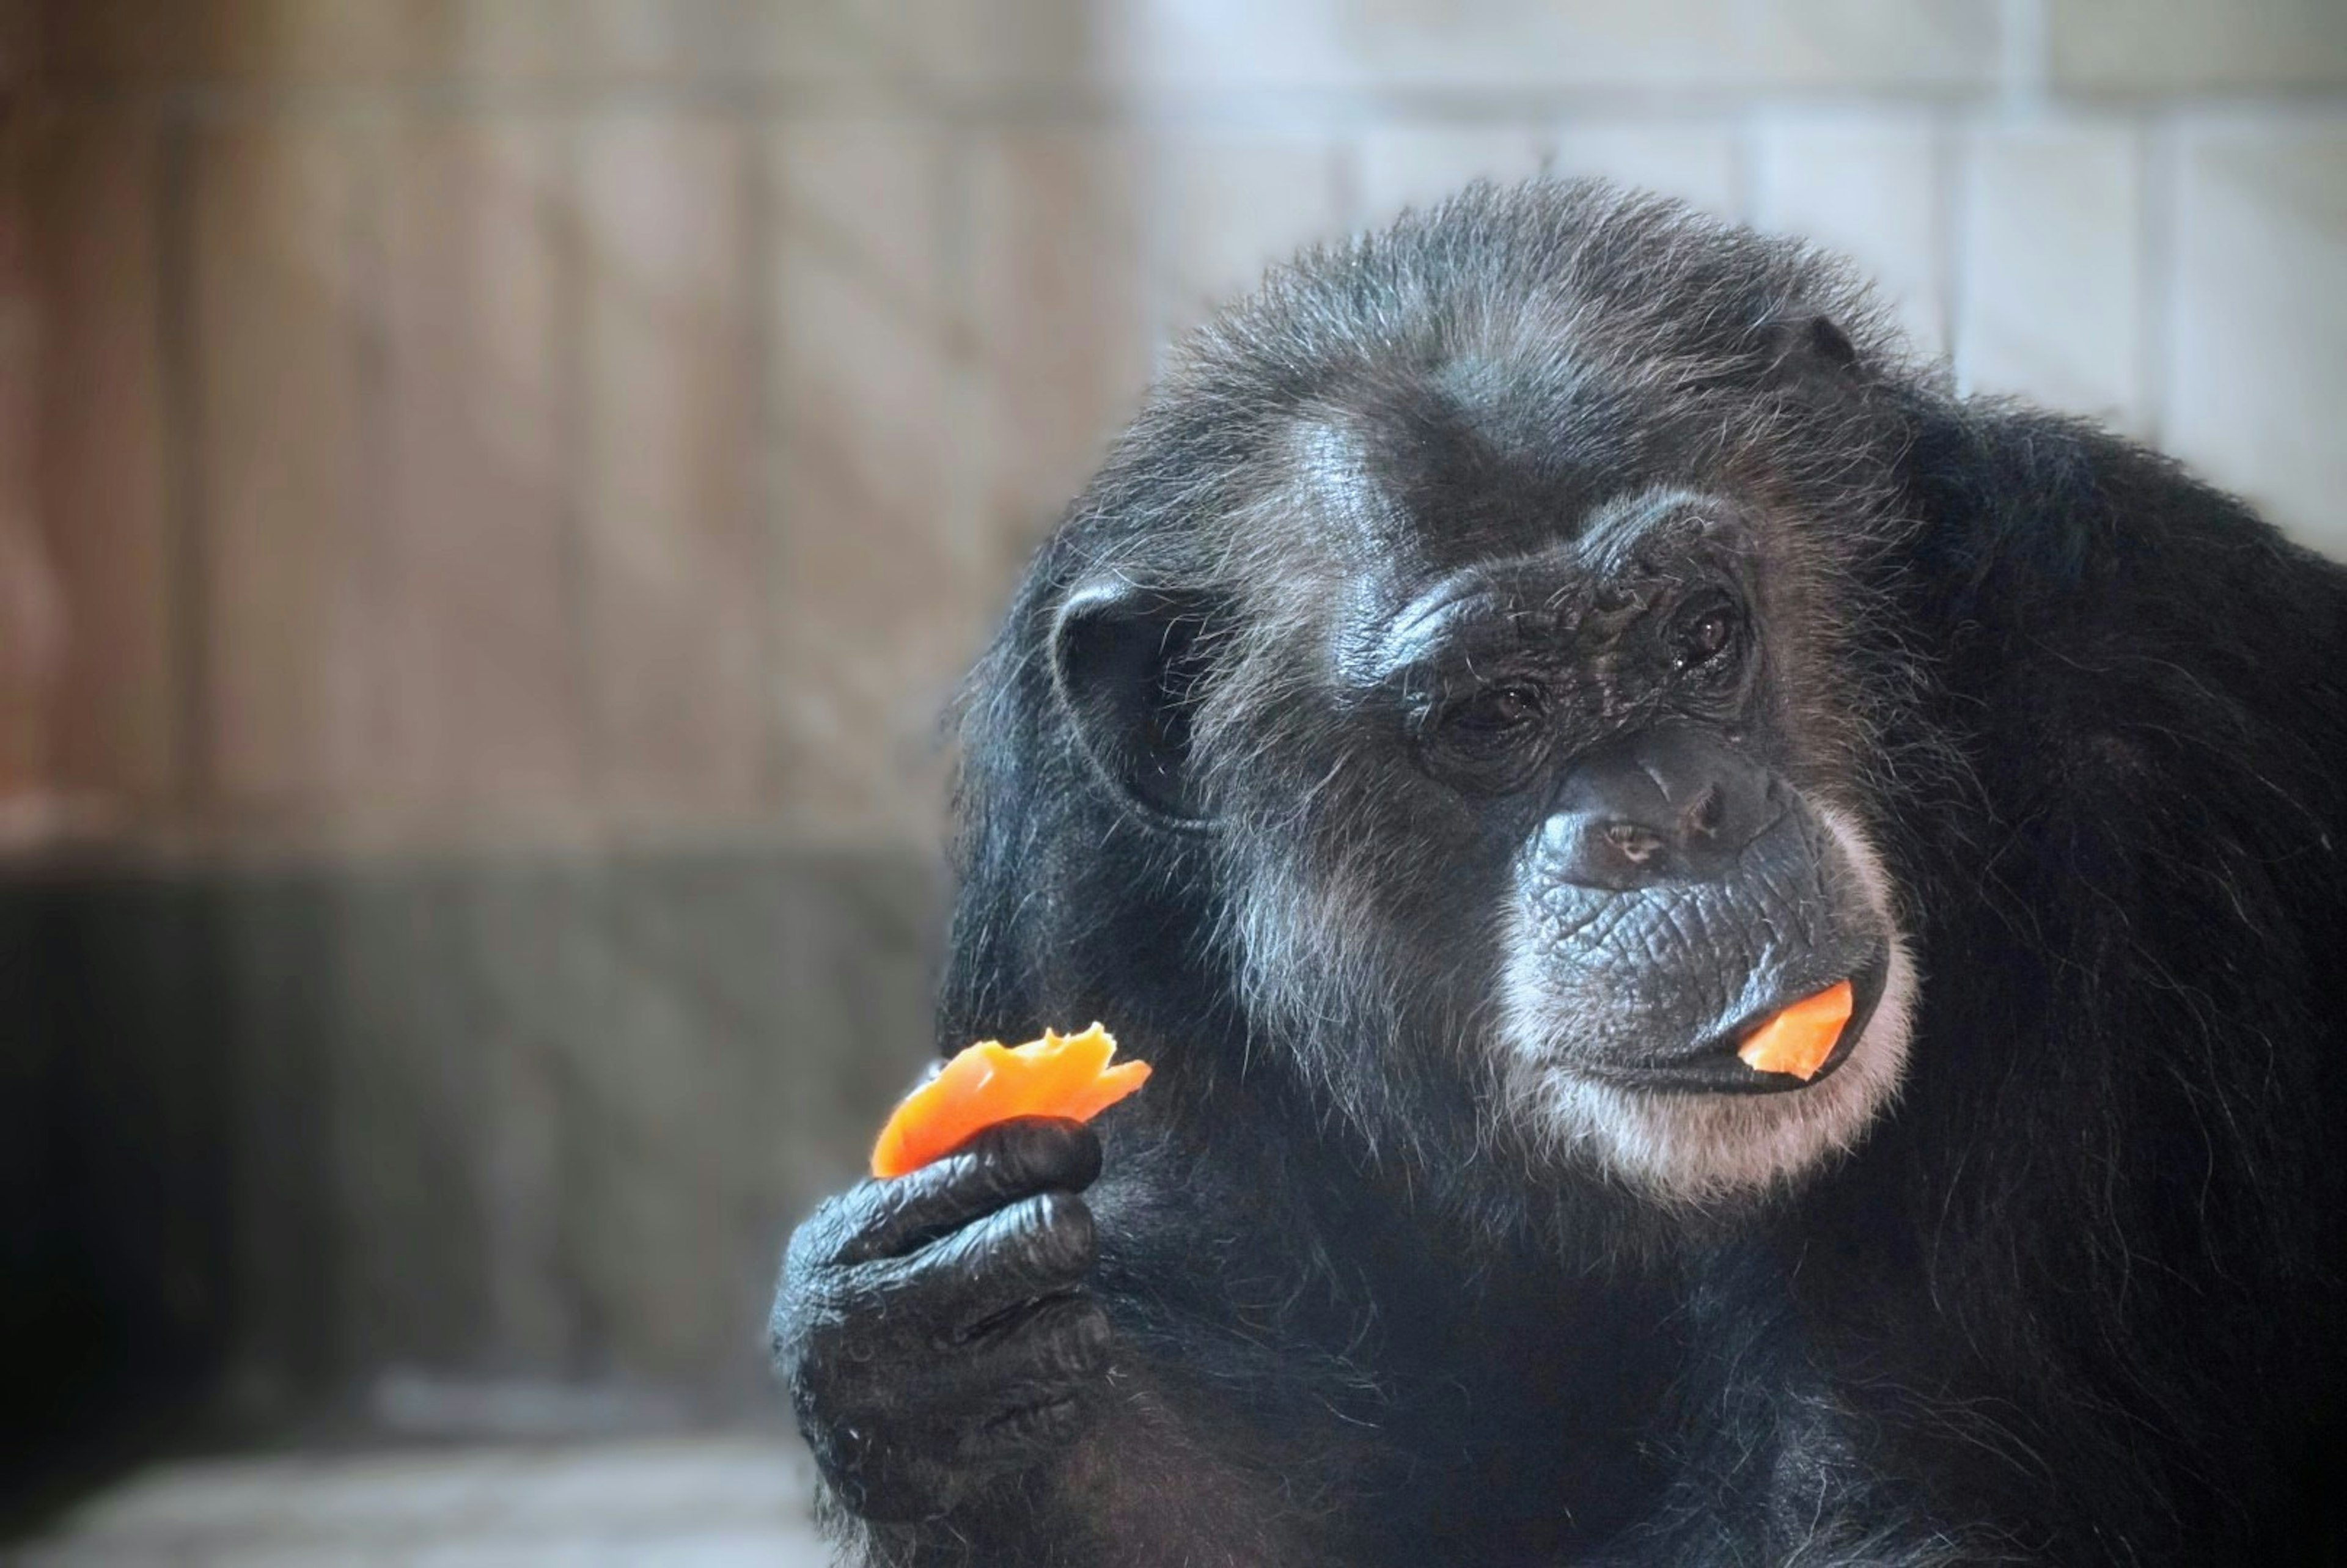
<point>1230,206</point>
<point>1413,166</point>
<point>2052,304</point>
<point>1532,44</point>
<point>1877,44</point>
<point>1695,163</point>
<point>1194,44</point>
<point>1868,189</point>
<point>2257,357</point>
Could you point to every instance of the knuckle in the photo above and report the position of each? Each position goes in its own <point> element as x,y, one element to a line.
<point>1059,1233</point>
<point>854,1225</point>
<point>1030,1151</point>
<point>1045,1423</point>
<point>1075,1341</point>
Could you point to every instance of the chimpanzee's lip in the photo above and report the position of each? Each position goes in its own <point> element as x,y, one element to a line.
<point>1712,1067</point>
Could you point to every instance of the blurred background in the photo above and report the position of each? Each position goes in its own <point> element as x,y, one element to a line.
<point>494,494</point>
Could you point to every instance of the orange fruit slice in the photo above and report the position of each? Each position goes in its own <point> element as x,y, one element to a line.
<point>1800,1037</point>
<point>1057,1075</point>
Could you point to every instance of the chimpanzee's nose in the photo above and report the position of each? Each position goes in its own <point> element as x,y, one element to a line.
<point>1673,804</point>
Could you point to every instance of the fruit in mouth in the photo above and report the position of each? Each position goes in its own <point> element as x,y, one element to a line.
<point>1798,1039</point>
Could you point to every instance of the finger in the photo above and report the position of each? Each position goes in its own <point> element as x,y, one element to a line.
<point>1003,1164</point>
<point>1040,1245</point>
<point>1053,1349</point>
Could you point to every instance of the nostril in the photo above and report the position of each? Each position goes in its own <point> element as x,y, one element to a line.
<point>1708,812</point>
<point>1637,844</point>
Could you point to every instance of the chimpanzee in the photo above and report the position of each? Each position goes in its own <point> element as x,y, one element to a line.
<point>1507,659</point>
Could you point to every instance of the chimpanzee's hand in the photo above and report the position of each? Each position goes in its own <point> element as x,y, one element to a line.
<point>932,1329</point>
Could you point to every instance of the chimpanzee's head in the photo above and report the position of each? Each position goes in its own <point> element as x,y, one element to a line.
<point>1480,613</point>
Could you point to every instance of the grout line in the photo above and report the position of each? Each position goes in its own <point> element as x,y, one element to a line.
<point>767,445</point>
<point>1955,175</point>
<point>1347,183</point>
<point>375,586</point>
<point>195,762</point>
<point>567,245</point>
<point>1158,219</point>
<point>953,172</point>
<point>2158,151</point>
<point>1746,172</point>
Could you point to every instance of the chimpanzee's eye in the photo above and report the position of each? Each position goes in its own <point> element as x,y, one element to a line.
<point>1492,715</point>
<point>1704,631</point>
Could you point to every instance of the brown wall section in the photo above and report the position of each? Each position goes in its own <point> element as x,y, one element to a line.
<point>612,420</point>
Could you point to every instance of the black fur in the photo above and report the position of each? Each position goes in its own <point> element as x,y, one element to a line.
<point>2074,1297</point>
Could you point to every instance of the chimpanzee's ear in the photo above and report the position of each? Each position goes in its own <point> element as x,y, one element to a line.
<point>1127,662</point>
<point>1803,344</point>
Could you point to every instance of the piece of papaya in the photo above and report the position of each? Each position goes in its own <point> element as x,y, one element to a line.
<point>1799,1038</point>
<point>1057,1075</point>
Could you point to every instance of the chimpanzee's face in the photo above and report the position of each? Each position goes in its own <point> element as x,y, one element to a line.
<point>1597,722</point>
<point>1528,769</point>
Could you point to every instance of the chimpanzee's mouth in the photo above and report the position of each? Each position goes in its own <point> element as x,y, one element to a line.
<point>1713,1066</point>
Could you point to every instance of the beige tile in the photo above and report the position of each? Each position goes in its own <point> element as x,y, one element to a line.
<point>279,241</point>
<point>2166,45</point>
<point>102,462</point>
<point>1232,206</point>
<point>1868,189</point>
<point>1059,287</point>
<point>1414,166</point>
<point>481,682</point>
<point>323,40</point>
<point>884,586</point>
<point>2052,270</point>
<point>1695,163</point>
<point>996,43</point>
<point>833,43</point>
<point>665,38</point>
<point>2257,354</point>
<point>676,562</point>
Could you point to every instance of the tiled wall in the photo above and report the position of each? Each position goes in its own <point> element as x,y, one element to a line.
<point>576,444</point>
<point>553,416</point>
